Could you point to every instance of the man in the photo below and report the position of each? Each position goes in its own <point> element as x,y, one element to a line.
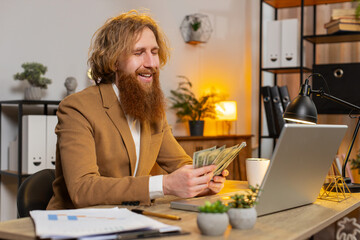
<point>110,135</point>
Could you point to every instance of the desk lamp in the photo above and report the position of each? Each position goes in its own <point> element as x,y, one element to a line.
<point>226,111</point>
<point>302,110</point>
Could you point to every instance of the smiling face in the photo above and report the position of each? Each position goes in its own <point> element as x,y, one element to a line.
<point>143,61</point>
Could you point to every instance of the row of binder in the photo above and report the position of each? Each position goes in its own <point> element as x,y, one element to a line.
<point>275,101</point>
<point>38,144</point>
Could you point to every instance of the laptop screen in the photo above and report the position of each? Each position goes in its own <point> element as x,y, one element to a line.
<point>301,160</point>
<point>298,168</point>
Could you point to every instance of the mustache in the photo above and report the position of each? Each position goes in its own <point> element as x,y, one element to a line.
<point>152,71</point>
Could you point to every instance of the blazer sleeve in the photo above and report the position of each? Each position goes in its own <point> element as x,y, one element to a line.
<point>171,155</point>
<point>78,161</point>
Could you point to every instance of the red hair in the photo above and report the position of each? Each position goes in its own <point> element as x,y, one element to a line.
<point>118,36</point>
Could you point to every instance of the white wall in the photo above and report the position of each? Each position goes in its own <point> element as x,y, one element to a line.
<point>57,34</point>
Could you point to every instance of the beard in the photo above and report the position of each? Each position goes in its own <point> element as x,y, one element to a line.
<point>143,101</point>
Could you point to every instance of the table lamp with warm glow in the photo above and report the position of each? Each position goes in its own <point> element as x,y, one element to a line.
<point>226,111</point>
<point>302,110</point>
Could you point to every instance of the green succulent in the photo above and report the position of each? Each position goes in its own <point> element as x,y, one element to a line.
<point>247,200</point>
<point>32,73</point>
<point>216,207</point>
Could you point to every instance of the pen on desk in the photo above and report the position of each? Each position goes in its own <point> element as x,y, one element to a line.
<point>140,211</point>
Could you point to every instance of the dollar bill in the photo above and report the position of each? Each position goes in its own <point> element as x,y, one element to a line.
<point>212,155</point>
<point>200,156</point>
<point>226,163</point>
<point>221,157</point>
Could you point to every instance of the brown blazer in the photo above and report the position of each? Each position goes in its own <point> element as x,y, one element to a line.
<point>96,157</point>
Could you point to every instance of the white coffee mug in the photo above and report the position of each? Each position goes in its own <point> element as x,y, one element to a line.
<point>256,169</point>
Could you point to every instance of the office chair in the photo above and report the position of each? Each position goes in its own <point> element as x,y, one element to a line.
<point>35,192</point>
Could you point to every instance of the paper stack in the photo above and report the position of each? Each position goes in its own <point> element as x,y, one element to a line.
<point>94,223</point>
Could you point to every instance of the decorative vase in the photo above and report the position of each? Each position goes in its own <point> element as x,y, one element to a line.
<point>196,128</point>
<point>212,224</point>
<point>33,93</point>
<point>242,218</point>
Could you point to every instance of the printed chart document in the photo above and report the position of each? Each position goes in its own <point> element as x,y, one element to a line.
<point>78,223</point>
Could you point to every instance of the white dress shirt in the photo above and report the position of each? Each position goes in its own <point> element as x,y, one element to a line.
<point>155,182</point>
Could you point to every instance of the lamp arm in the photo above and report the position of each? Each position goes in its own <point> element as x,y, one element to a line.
<point>350,147</point>
<point>323,94</point>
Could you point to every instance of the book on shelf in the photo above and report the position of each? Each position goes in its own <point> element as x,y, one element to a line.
<point>343,12</point>
<point>344,27</point>
<point>342,20</point>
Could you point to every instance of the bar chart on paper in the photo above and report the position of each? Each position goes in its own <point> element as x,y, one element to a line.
<point>88,222</point>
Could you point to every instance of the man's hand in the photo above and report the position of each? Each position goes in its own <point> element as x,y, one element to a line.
<point>188,182</point>
<point>216,184</point>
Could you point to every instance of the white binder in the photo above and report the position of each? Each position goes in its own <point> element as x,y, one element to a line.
<point>33,143</point>
<point>290,47</point>
<point>51,138</point>
<point>13,155</point>
<point>273,44</point>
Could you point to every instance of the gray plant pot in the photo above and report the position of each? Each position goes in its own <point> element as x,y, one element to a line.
<point>33,93</point>
<point>196,128</point>
<point>212,224</point>
<point>242,218</point>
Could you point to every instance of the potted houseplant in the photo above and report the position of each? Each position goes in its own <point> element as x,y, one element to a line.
<point>195,25</point>
<point>33,74</point>
<point>242,214</point>
<point>189,107</point>
<point>212,219</point>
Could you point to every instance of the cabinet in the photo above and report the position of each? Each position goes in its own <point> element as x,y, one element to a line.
<point>19,104</point>
<point>313,38</point>
<point>237,170</point>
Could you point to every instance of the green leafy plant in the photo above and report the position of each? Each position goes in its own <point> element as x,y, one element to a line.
<point>195,24</point>
<point>216,207</point>
<point>357,10</point>
<point>355,163</point>
<point>32,73</point>
<point>247,200</point>
<point>188,107</point>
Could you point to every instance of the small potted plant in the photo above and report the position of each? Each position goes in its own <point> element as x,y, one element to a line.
<point>242,213</point>
<point>189,107</point>
<point>33,74</point>
<point>212,219</point>
<point>195,25</point>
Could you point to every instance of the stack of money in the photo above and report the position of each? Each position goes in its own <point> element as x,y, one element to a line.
<point>221,157</point>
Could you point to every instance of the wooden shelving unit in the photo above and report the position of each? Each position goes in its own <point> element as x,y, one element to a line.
<point>315,39</point>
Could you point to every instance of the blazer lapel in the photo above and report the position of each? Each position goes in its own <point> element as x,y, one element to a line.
<point>145,140</point>
<point>117,116</point>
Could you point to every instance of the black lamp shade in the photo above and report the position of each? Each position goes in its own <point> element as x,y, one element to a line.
<point>301,109</point>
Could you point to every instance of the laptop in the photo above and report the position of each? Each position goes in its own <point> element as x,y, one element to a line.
<point>301,160</point>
